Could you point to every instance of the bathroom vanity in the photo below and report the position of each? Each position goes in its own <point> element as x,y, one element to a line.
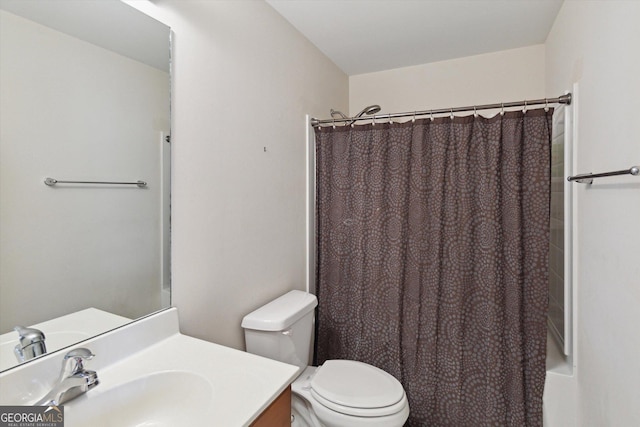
<point>278,414</point>
<point>150,373</point>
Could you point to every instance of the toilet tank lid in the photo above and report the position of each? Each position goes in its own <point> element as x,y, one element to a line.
<point>280,313</point>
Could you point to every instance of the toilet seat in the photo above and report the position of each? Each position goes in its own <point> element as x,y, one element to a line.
<point>360,412</point>
<point>357,389</point>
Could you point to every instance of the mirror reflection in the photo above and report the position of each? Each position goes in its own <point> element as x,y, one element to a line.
<point>85,97</point>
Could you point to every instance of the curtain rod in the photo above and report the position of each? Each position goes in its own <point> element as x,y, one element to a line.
<point>564,99</point>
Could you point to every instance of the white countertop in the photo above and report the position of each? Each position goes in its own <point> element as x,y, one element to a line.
<point>242,385</point>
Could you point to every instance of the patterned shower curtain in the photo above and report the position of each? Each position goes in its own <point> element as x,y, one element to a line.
<point>432,243</point>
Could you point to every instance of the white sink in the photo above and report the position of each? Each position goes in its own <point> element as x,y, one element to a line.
<point>151,375</point>
<point>171,398</point>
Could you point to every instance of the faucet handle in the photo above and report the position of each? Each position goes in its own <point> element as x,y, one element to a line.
<point>80,353</point>
<point>73,361</point>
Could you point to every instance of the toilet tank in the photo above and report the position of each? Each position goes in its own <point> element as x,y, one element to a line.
<point>281,329</point>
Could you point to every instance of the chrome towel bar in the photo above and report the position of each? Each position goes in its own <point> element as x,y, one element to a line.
<point>587,178</point>
<point>51,182</point>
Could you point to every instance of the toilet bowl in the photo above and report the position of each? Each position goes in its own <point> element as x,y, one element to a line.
<point>339,393</point>
<point>362,396</point>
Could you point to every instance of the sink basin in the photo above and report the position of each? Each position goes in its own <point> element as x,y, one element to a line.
<point>152,375</point>
<point>170,398</point>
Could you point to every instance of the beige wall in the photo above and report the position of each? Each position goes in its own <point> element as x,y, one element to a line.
<point>509,75</point>
<point>596,44</point>
<point>243,80</point>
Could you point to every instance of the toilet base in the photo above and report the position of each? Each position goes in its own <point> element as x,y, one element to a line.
<point>301,408</point>
<point>302,413</point>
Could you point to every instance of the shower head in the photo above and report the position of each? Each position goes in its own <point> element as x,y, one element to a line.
<point>371,109</point>
<point>338,113</point>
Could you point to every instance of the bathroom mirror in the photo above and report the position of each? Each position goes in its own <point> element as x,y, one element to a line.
<point>85,97</point>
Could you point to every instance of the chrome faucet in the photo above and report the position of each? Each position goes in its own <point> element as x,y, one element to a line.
<point>31,343</point>
<point>74,380</point>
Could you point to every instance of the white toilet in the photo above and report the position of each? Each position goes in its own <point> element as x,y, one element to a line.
<point>340,393</point>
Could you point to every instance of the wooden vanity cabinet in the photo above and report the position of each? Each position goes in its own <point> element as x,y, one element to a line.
<point>278,414</point>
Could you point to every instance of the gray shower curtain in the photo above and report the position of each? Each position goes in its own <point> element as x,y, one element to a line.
<point>432,243</point>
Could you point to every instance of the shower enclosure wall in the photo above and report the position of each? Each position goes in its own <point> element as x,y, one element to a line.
<point>559,319</point>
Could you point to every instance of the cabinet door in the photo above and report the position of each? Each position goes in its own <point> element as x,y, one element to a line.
<point>278,414</point>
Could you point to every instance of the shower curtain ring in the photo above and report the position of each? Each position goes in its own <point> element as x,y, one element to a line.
<point>431,114</point>
<point>502,108</point>
<point>334,122</point>
<point>475,111</point>
<point>390,119</point>
<point>451,116</point>
<point>546,104</point>
<point>524,109</point>
<point>374,119</point>
<point>413,120</point>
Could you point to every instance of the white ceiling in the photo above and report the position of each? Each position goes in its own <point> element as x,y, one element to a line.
<point>363,36</point>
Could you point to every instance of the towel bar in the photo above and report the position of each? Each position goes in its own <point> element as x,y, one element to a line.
<point>587,178</point>
<point>51,182</point>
